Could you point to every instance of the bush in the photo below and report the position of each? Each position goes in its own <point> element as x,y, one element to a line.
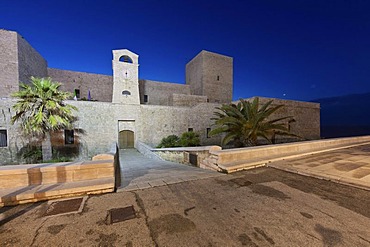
<point>189,139</point>
<point>169,141</point>
<point>31,154</point>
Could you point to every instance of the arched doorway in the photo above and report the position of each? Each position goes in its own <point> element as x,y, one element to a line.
<point>126,139</point>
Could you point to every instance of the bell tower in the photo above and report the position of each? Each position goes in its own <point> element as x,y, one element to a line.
<point>125,77</point>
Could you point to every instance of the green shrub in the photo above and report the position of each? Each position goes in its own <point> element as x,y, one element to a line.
<point>31,154</point>
<point>189,139</point>
<point>169,141</point>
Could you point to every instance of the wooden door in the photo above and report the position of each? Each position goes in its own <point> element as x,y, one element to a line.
<point>126,139</point>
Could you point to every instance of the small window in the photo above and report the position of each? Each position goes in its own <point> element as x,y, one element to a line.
<point>69,137</point>
<point>77,93</point>
<point>145,98</point>
<point>208,130</point>
<point>3,138</point>
<point>218,78</point>
<point>126,93</point>
<point>190,129</point>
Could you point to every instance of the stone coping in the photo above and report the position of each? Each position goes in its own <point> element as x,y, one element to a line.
<point>189,149</point>
<point>36,182</point>
<point>240,154</point>
<point>51,167</point>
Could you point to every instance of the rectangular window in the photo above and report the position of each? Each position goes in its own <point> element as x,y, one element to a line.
<point>3,138</point>
<point>77,93</point>
<point>145,98</point>
<point>69,137</point>
<point>208,130</point>
<point>218,78</point>
<point>190,129</point>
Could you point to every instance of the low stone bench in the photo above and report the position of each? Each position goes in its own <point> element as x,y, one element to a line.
<point>31,183</point>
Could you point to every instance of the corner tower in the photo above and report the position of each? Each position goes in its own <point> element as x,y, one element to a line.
<point>125,77</point>
<point>211,74</point>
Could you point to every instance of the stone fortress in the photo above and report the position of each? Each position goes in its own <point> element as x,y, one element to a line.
<point>125,108</point>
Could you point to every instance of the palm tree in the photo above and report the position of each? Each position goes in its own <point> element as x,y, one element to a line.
<point>40,110</point>
<point>246,121</point>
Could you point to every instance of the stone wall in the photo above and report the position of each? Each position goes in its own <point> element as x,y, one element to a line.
<point>9,78</point>
<point>100,86</point>
<point>160,93</point>
<point>186,155</point>
<point>157,122</point>
<point>99,121</point>
<point>15,140</point>
<point>187,100</point>
<point>99,124</point>
<point>306,117</point>
<point>30,62</point>
<point>200,119</point>
<point>161,121</point>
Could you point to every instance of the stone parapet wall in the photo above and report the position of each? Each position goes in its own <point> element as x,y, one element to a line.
<point>100,86</point>
<point>186,155</point>
<point>146,150</point>
<point>231,160</point>
<point>306,117</point>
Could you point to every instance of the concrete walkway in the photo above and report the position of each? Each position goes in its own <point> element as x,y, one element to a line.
<point>141,172</point>
<point>349,166</point>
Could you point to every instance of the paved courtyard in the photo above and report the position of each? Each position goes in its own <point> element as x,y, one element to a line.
<point>259,207</point>
<point>349,166</point>
<point>141,172</point>
<point>193,207</point>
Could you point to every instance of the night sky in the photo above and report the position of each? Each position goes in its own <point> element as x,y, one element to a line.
<point>298,49</point>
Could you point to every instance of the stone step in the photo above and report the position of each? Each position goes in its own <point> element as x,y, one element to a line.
<point>34,193</point>
<point>25,175</point>
<point>31,183</point>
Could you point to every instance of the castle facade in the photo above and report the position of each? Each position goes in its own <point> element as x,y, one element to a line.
<point>125,109</point>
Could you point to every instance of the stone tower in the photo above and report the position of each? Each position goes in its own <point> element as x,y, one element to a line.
<point>211,74</point>
<point>18,62</point>
<point>125,77</point>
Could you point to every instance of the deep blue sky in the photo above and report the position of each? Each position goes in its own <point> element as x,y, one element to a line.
<point>293,49</point>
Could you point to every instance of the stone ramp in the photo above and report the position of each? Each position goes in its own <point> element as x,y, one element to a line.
<point>141,172</point>
<point>31,183</point>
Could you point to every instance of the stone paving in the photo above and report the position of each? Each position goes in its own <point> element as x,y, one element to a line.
<point>348,166</point>
<point>141,172</point>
